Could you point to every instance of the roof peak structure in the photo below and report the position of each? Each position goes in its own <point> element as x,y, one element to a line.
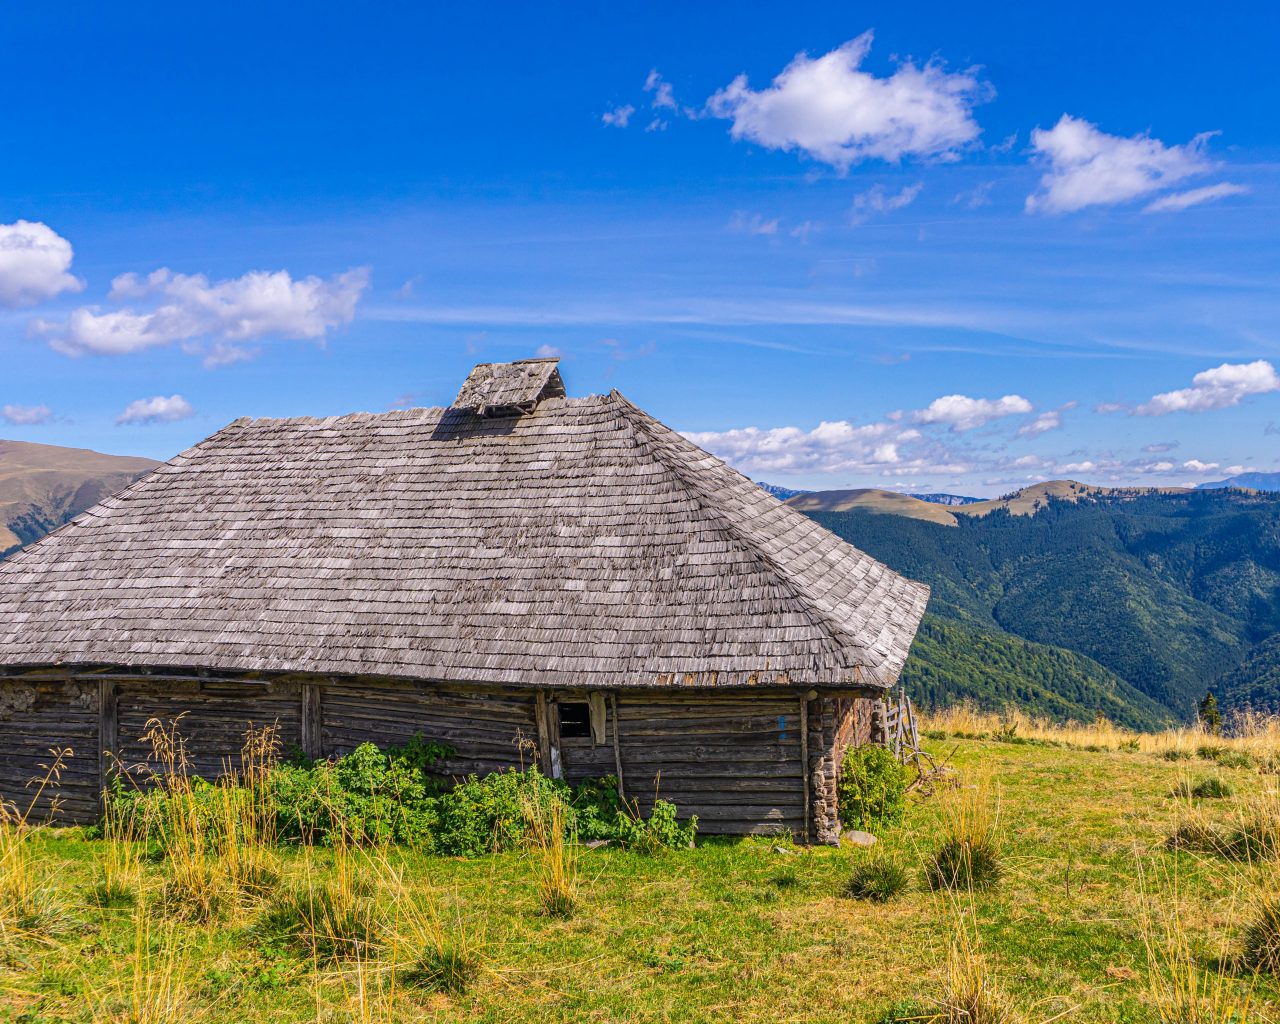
<point>521,538</point>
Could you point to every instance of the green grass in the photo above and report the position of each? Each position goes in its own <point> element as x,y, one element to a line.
<point>729,931</point>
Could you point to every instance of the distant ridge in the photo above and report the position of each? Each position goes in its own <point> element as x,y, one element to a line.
<point>869,499</point>
<point>945,499</point>
<point>1250,481</point>
<point>43,486</point>
<point>778,491</point>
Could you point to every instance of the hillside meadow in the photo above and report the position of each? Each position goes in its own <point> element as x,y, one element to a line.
<point>1094,916</point>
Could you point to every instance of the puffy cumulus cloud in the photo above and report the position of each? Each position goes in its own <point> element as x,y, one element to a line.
<point>35,264</point>
<point>618,117</point>
<point>227,313</point>
<point>960,412</point>
<point>1195,196</point>
<point>545,351</point>
<point>663,96</point>
<point>1196,466</point>
<point>1087,167</point>
<point>1217,388</point>
<point>26,415</point>
<point>831,447</point>
<point>879,200</point>
<point>831,110</point>
<point>156,410</point>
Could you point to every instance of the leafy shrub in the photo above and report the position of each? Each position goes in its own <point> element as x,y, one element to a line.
<point>872,788</point>
<point>878,880</point>
<point>1262,938</point>
<point>661,830</point>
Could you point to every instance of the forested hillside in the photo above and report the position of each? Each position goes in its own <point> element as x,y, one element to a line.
<point>1155,596</point>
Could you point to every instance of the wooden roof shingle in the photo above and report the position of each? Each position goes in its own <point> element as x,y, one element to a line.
<point>580,544</point>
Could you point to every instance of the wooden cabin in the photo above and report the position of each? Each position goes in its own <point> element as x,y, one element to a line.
<point>520,566</point>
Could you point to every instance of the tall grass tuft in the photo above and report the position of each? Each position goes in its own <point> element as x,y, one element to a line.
<point>970,992</point>
<point>878,879</point>
<point>1262,933</point>
<point>328,919</point>
<point>154,986</point>
<point>27,904</point>
<point>1180,988</point>
<point>556,856</point>
<point>968,856</point>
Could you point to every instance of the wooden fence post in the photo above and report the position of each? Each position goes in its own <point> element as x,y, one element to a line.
<point>312,722</point>
<point>107,701</point>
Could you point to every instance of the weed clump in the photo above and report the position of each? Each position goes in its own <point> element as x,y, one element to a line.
<point>1211,787</point>
<point>970,992</point>
<point>872,788</point>
<point>328,920</point>
<point>1262,938</point>
<point>449,967</point>
<point>969,855</point>
<point>878,880</point>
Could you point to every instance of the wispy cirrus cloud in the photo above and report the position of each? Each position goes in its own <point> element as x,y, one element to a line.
<point>1196,196</point>
<point>225,314</point>
<point>1085,166</point>
<point>879,200</point>
<point>1218,388</point>
<point>833,111</point>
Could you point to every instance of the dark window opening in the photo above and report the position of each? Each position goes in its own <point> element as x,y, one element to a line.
<point>575,720</point>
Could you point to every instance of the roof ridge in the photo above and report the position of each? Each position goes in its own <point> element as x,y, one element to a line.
<point>819,616</point>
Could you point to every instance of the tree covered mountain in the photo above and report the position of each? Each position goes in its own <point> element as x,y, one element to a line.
<point>1155,595</point>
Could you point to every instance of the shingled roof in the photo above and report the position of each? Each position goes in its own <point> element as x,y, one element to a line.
<point>581,543</point>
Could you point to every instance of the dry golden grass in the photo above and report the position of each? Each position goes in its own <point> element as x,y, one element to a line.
<point>557,859</point>
<point>1252,734</point>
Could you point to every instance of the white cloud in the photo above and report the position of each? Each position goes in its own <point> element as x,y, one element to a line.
<point>1218,388</point>
<point>1086,466</point>
<point>753,224</point>
<point>26,415</point>
<point>259,304</point>
<point>1088,167</point>
<point>1195,196</point>
<point>961,412</point>
<point>1107,408</point>
<point>1196,466</point>
<point>35,264</point>
<point>1046,421</point>
<point>548,352</point>
<point>663,97</point>
<point>619,117</point>
<point>1160,447</point>
<point>156,410</point>
<point>831,447</point>
<point>878,199</point>
<point>829,109</point>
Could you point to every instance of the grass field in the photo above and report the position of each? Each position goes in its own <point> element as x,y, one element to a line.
<point>1091,920</point>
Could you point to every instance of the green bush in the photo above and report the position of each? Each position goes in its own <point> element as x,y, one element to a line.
<point>375,796</point>
<point>872,788</point>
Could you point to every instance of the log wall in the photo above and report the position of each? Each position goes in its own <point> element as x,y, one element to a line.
<point>737,760</point>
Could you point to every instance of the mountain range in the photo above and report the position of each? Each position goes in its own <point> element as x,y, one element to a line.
<point>1250,481</point>
<point>1076,600</point>
<point>43,486</point>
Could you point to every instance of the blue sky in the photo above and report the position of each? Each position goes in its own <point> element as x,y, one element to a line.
<point>914,247</point>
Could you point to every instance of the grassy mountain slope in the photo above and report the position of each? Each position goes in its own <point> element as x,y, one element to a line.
<point>869,499</point>
<point>43,486</point>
